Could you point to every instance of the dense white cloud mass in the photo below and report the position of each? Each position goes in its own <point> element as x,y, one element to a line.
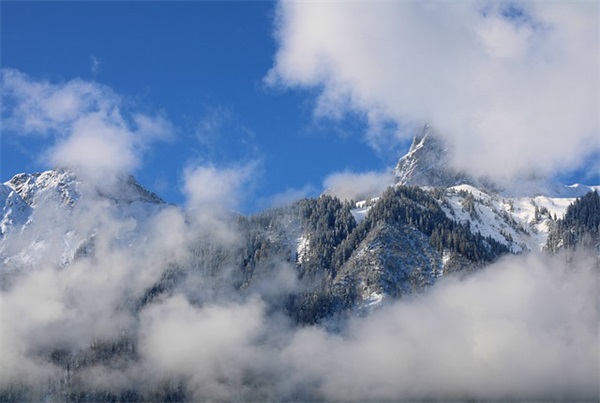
<point>357,186</point>
<point>524,328</point>
<point>512,85</point>
<point>92,129</point>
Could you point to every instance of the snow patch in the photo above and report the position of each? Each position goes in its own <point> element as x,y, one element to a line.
<point>302,248</point>
<point>371,302</point>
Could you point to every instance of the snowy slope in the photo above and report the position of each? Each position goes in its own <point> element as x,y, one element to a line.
<point>519,217</point>
<point>393,262</point>
<point>511,221</point>
<point>56,186</point>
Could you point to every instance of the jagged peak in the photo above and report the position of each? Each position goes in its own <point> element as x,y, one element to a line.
<point>427,163</point>
<point>426,138</point>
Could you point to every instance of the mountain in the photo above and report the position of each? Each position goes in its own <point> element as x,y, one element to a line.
<point>104,258</point>
<point>57,186</point>
<point>345,256</point>
<point>434,221</point>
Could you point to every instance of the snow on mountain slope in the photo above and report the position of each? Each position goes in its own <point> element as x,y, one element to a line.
<point>362,208</point>
<point>58,186</point>
<point>391,262</point>
<point>522,223</point>
<point>512,221</point>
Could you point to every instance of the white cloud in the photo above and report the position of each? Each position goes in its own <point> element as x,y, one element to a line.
<point>148,128</point>
<point>357,186</point>
<point>525,328</point>
<point>289,196</point>
<point>212,195</point>
<point>91,129</point>
<point>180,339</point>
<point>513,86</point>
<point>210,187</point>
<point>41,107</point>
<point>96,147</point>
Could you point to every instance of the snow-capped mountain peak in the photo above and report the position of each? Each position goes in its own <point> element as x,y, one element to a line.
<point>59,185</point>
<point>64,187</point>
<point>427,163</point>
<point>51,216</point>
<point>61,190</point>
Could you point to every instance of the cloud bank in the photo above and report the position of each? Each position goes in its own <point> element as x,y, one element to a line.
<point>525,328</point>
<point>513,86</point>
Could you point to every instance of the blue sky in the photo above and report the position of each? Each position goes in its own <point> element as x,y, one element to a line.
<point>295,94</point>
<point>195,62</point>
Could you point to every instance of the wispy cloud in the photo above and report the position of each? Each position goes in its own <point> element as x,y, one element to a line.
<point>95,65</point>
<point>213,195</point>
<point>223,138</point>
<point>357,186</point>
<point>513,86</point>
<point>289,196</point>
